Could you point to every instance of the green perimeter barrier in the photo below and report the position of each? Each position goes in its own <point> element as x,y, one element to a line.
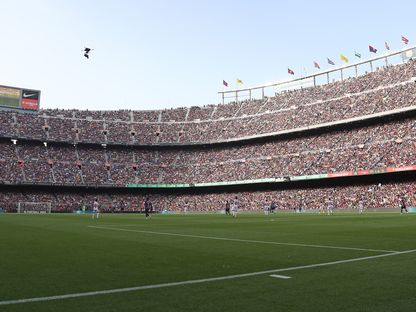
<point>280,179</point>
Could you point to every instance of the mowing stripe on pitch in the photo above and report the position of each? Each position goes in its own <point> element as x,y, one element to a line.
<point>198,281</point>
<point>239,240</point>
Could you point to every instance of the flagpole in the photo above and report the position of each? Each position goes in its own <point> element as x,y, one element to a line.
<point>236,91</point>
<point>358,55</point>
<point>223,89</point>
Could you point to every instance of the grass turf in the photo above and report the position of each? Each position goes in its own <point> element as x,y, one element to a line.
<point>46,255</point>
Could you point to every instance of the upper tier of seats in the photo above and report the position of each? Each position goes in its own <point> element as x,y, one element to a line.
<point>386,89</point>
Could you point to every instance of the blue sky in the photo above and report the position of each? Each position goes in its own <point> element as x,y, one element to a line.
<point>161,54</point>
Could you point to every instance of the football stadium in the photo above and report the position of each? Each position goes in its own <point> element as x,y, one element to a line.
<point>292,195</point>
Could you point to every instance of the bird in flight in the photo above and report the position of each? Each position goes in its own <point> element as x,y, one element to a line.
<point>87,52</point>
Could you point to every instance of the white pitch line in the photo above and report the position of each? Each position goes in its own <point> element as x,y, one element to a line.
<point>198,281</point>
<point>280,276</point>
<point>240,240</point>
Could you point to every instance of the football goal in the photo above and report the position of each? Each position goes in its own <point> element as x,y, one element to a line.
<point>34,207</point>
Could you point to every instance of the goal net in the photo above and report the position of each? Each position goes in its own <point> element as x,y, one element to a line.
<point>34,207</point>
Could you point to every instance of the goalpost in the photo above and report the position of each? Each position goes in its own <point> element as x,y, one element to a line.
<point>34,207</point>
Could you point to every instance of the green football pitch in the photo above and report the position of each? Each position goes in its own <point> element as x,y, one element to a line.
<point>282,262</point>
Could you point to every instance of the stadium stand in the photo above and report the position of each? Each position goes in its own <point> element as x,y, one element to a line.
<point>384,90</point>
<point>391,144</point>
<point>192,145</point>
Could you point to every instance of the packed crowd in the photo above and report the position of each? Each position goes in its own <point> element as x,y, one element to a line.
<point>388,144</point>
<point>370,196</point>
<point>60,161</point>
<point>386,89</point>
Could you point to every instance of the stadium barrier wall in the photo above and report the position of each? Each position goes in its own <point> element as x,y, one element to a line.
<point>282,179</point>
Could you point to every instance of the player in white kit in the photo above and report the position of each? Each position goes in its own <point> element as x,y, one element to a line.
<point>360,207</point>
<point>330,208</point>
<point>266,208</point>
<point>234,207</point>
<point>95,209</point>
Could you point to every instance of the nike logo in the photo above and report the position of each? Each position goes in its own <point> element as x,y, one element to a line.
<point>25,95</point>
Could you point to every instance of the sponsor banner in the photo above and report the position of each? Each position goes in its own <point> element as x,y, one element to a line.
<point>30,95</point>
<point>318,176</point>
<point>378,170</point>
<point>363,172</point>
<point>236,182</point>
<point>30,104</point>
<point>157,185</point>
<point>30,99</point>
<point>405,168</point>
<point>308,177</point>
<point>340,174</point>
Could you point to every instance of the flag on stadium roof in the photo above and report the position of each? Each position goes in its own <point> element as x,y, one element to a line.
<point>239,81</point>
<point>372,49</point>
<point>344,58</point>
<point>330,62</point>
<point>316,65</point>
<point>386,45</point>
<point>357,54</point>
<point>225,83</point>
<point>291,72</point>
<point>405,40</point>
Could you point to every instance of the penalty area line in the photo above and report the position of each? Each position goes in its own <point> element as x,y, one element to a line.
<point>197,281</point>
<point>240,240</point>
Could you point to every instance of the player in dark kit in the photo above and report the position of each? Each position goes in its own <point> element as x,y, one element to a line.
<point>148,207</point>
<point>227,208</point>
<point>272,207</point>
<point>403,205</point>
